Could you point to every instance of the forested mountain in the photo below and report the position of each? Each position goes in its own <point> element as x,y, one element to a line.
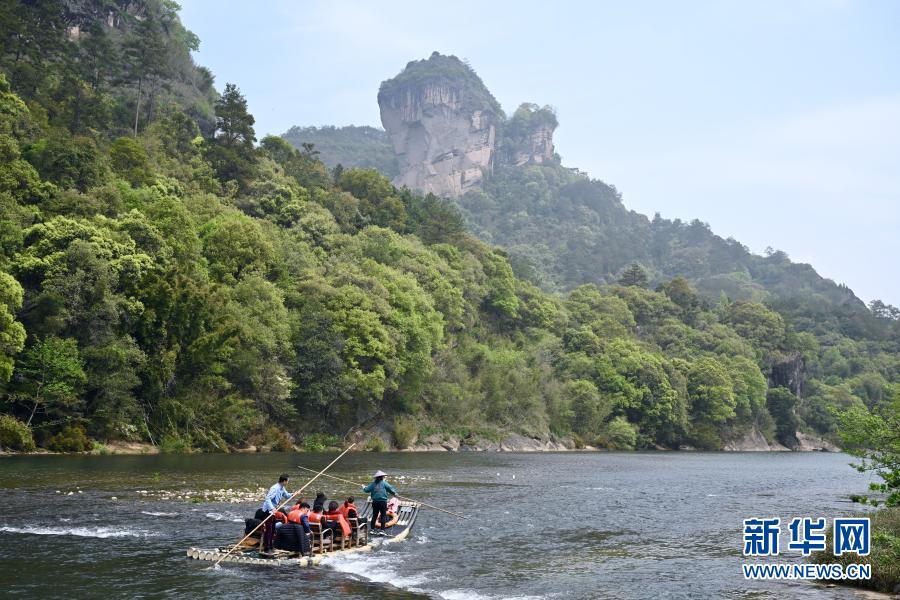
<point>349,146</point>
<point>166,278</point>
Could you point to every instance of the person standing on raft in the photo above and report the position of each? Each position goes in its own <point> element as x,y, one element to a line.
<point>380,490</point>
<point>274,497</point>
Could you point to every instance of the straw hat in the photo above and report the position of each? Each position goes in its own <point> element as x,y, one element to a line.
<point>379,473</point>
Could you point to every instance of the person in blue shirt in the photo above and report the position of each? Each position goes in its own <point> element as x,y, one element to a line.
<point>275,496</point>
<point>380,490</point>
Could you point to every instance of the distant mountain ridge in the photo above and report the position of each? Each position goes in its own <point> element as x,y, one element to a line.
<point>561,228</point>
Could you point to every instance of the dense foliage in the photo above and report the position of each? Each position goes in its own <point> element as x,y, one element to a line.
<point>875,438</point>
<point>165,278</point>
<point>350,146</point>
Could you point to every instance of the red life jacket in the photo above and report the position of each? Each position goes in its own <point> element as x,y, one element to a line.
<point>315,517</point>
<point>280,516</point>
<point>347,507</point>
<point>339,517</point>
<point>296,515</point>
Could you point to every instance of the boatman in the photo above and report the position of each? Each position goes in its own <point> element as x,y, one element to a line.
<point>275,496</point>
<point>380,490</point>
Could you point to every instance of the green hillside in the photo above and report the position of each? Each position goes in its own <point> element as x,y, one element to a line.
<point>350,146</point>
<point>166,281</point>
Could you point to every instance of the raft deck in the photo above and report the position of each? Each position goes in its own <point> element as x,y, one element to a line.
<point>250,554</point>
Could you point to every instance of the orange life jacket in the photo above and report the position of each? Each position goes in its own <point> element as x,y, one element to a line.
<point>315,517</point>
<point>280,516</point>
<point>339,517</point>
<point>296,515</point>
<point>347,507</point>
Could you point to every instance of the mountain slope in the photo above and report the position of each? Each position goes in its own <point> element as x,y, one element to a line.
<point>195,289</point>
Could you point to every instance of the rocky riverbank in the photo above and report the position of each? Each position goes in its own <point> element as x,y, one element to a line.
<point>753,441</point>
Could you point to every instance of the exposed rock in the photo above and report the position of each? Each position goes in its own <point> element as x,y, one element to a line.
<point>528,136</point>
<point>788,373</point>
<point>443,124</point>
<point>754,441</point>
<point>511,443</point>
<point>810,443</point>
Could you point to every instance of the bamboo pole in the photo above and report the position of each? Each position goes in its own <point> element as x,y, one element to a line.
<point>398,495</point>
<point>277,508</point>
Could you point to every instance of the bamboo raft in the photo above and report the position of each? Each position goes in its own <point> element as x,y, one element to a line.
<point>249,553</point>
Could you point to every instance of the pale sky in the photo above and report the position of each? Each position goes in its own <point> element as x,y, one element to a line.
<point>778,123</point>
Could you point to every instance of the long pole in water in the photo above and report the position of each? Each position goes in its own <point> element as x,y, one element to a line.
<point>398,495</point>
<point>277,508</point>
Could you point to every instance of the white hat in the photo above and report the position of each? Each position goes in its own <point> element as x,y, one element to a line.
<point>379,473</point>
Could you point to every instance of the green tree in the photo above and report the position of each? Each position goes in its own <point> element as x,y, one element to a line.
<point>589,409</point>
<point>232,154</point>
<point>129,159</point>
<point>874,437</point>
<point>634,275</point>
<point>620,434</point>
<point>145,58</point>
<point>235,245</point>
<point>69,162</point>
<point>50,377</point>
<point>782,405</point>
<point>762,326</point>
<point>12,333</point>
<point>711,391</point>
<point>234,125</point>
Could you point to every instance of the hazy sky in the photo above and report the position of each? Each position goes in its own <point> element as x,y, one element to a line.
<point>776,122</point>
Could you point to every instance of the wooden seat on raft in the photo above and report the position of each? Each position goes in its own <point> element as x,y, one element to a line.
<point>360,531</point>
<point>322,538</point>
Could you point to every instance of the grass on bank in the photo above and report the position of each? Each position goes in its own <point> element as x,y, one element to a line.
<point>884,556</point>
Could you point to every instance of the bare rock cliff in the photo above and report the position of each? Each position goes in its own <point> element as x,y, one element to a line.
<point>445,127</point>
<point>443,144</point>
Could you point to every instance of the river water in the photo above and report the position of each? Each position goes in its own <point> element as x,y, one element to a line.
<point>555,525</point>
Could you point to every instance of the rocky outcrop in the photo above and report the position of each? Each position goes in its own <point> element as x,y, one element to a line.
<point>528,136</point>
<point>513,442</point>
<point>787,372</point>
<point>810,443</point>
<point>538,147</point>
<point>754,441</point>
<point>445,127</point>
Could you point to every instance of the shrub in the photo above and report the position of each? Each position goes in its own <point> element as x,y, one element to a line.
<point>620,434</point>
<point>15,435</point>
<point>705,436</point>
<point>884,556</point>
<point>72,438</point>
<point>174,444</point>
<point>319,442</point>
<point>404,432</point>
<point>279,440</point>
<point>577,441</point>
<point>376,444</point>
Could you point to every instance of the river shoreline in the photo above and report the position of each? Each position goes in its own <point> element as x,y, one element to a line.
<point>452,445</point>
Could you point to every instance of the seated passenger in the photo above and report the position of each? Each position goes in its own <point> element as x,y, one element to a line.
<point>300,515</point>
<point>315,515</point>
<point>349,510</point>
<point>319,502</point>
<point>335,520</point>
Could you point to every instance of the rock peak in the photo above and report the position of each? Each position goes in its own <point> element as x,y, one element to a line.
<point>444,124</point>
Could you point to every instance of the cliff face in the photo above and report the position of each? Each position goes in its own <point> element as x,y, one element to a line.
<point>528,136</point>
<point>444,145</point>
<point>445,127</point>
<point>538,148</point>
